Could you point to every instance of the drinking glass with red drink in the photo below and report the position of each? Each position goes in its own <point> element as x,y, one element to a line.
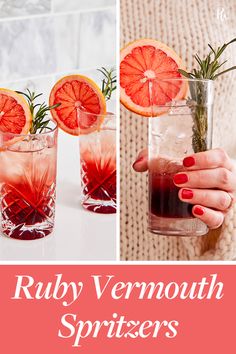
<point>28,183</point>
<point>180,127</point>
<point>98,164</point>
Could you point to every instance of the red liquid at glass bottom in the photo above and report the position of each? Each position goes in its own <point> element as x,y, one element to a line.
<point>164,200</point>
<point>27,214</point>
<point>99,185</point>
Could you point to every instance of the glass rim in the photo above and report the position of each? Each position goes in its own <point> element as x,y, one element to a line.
<point>104,115</point>
<point>184,79</point>
<point>32,135</point>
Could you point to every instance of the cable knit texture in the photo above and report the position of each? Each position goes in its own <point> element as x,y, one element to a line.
<point>187,26</point>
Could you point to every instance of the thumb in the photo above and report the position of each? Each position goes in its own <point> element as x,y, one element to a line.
<point>141,162</point>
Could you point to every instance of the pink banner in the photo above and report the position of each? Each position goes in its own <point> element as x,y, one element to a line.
<point>162,309</point>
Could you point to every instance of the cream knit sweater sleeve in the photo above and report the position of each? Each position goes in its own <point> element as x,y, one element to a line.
<point>187,26</point>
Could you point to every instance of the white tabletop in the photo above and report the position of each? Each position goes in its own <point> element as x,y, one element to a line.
<point>79,235</point>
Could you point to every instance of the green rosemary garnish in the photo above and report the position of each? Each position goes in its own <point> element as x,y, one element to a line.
<point>109,82</point>
<point>39,112</point>
<point>208,69</point>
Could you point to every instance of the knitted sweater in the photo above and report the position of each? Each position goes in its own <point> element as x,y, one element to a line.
<point>187,26</point>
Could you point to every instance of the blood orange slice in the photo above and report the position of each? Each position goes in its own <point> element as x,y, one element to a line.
<point>143,64</point>
<point>77,94</point>
<point>15,115</point>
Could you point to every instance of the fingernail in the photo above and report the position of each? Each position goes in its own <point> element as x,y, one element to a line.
<point>198,211</point>
<point>189,161</point>
<point>180,178</point>
<point>138,160</point>
<point>187,194</point>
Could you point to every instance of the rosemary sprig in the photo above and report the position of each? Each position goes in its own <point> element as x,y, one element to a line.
<point>208,69</point>
<point>39,112</point>
<point>109,82</point>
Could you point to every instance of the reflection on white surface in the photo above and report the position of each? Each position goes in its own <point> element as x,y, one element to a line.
<point>78,236</point>
<point>11,250</point>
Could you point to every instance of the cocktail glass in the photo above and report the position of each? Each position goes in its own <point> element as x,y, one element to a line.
<point>98,164</point>
<point>178,128</point>
<point>28,183</point>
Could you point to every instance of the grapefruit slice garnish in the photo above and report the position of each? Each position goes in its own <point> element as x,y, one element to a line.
<point>82,104</point>
<point>144,63</point>
<point>15,115</point>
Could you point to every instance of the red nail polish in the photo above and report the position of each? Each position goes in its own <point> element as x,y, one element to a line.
<point>198,211</point>
<point>189,161</point>
<point>180,178</point>
<point>187,194</point>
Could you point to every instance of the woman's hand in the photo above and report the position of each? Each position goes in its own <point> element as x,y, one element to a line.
<point>208,182</point>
